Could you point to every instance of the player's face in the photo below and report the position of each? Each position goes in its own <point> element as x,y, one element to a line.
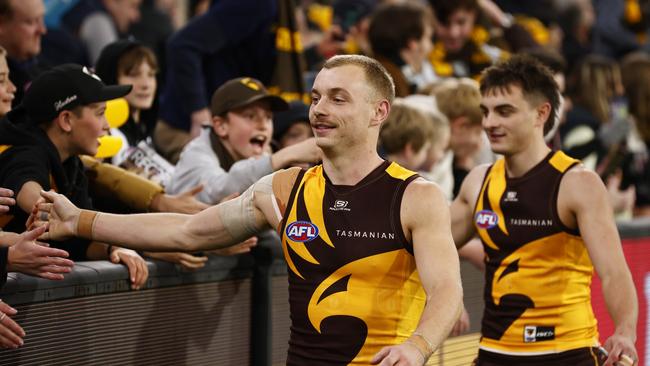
<point>509,120</point>
<point>342,107</point>
<point>246,132</point>
<point>87,128</point>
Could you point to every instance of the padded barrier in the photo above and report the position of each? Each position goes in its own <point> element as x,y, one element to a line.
<point>232,312</point>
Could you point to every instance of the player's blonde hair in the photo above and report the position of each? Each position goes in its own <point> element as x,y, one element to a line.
<point>376,75</point>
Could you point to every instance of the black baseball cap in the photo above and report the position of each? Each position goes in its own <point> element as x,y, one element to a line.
<point>65,87</point>
<point>240,92</point>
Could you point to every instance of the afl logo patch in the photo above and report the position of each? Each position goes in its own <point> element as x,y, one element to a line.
<point>486,219</point>
<point>302,231</point>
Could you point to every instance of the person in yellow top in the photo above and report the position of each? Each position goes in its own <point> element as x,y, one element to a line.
<point>357,231</point>
<point>545,222</point>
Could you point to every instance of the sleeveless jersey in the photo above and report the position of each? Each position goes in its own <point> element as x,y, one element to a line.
<point>538,272</point>
<point>353,284</point>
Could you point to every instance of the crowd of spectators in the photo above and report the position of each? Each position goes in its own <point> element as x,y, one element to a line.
<point>218,95</point>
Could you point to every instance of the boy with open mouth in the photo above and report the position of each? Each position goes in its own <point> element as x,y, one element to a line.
<point>233,152</point>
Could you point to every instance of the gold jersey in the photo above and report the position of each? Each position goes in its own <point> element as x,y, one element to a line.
<point>353,284</point>
<point>538,272</point>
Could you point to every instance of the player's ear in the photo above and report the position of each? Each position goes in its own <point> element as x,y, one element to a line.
<point>382,110</point>
<point>543,112</point>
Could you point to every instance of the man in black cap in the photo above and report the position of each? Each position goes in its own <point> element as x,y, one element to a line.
<point>61,117</point>
<point>231,154</point>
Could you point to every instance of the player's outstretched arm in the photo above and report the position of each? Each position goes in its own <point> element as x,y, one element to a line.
<point>583,198</point>
<point>218,226</point>
<point>428,222</point>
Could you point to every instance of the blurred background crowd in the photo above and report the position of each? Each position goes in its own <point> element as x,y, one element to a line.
<point>221,91</point>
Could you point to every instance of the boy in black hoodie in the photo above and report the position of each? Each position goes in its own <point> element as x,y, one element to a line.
<point>61,117</point>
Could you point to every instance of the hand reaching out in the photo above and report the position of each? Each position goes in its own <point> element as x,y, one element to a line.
<point>11,334</point>
<point>137,266</point>
<point>243,247</point>
<point>187,261</point>
<point>185,202</point>
<point>60,214</point>
<point>37,259</point>
<point>6,200</point>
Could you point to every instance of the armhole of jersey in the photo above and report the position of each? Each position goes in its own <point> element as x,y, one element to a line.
<point>555,212</point>
<point>396,208</point>
<point>292,196</point>
<point>480,189</point>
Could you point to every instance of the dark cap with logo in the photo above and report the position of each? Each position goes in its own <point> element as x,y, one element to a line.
<point>65,87</point>
<point>241,92</point>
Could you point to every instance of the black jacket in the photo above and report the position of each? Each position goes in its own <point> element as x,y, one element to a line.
<point>33,157</point>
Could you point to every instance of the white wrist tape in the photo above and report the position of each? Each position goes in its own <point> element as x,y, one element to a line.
<point>238,215</point>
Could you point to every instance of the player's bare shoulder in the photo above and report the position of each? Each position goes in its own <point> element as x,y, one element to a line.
<point>581,190</point>
<point>421,201</point>
<point>579,184</point>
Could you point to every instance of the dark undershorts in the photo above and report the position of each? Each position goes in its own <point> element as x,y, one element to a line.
<point>587,356</point>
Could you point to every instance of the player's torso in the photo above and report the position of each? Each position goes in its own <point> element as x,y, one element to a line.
<point>352,278</point>
<point>538,272</point>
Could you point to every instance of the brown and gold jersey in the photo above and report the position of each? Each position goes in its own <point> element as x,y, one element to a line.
<point>538,272</point>
<point>353,284</point>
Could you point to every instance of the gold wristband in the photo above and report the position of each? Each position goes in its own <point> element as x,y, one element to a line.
<point>425,358</point>
<point>420,340</point>
<point>85,224</point>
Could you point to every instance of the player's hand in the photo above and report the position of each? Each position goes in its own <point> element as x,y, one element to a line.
<point>33,221</point>
<point>61,214</point>
<point>405,354</point>
<point>462,324</point>
<point>138,271</point>
<point>187,261</point>
<point>6,200</point>
<point>11,334</point>
<point>620,347</point>
<point>243,247</point>
<point>185,202</point>
<point>37,259</point>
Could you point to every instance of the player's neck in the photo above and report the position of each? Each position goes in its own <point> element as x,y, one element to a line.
<point>350,168</point>
<point>521,162</point>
